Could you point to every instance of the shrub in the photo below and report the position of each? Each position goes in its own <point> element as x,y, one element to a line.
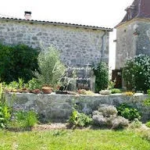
<point>4,115</point>
<point>148,124</point>
<point>128,93</point>
<point>135,124</point>
<point>51,68</point>
<point>128,112</point>
<point>99,120</point>
<point>106,116</point>
<point>25,119</point>
<point>136,73</point>
<point>79,119</point>
<point>4,110</point>
<point>113,91</point>
<point>101,73</point>
<point>147,100</point>
<point>33,84</point>
<point>17,62</point>
<point>107,110</point>
<point>86,92</point>
<point>119,122</point>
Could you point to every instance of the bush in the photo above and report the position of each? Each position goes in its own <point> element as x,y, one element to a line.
<point>135,124</point>
<point>24,119</point>
<point>17,62</point>
<point>128,112</point>
<point>106,116</point>
<point>119,122</point>
<point>107,110</point>
<point>4,110</point>
<point>136,73</point>
<point>113,91</point>
<point>129,93</point>
<point>79,119</point>
<point>101,73</point>
<point>148,124</point>
<point>51,68</point>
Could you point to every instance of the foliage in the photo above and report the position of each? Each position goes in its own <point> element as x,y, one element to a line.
<point>17,62</point>
<point>86,92</point>
<point>4,110</point>
<point>15,84</point>
<point>128,93</point>
<point>148,124</point>
<point>128,112</point>
<point>113,91</point>
<point>30,85</point>
<point>107,110</point>
<point>79,119</point>
<point>4,115</point>
<point>147,100</point>
<point>24,119</point>
<point>136,73</point>
<point>101,73</point>
<point>106,116</point>
<point>51,68</point>
<point>34,84</point>
<point>119,122</point>
<point>111,84</point>
<point>135,124</point>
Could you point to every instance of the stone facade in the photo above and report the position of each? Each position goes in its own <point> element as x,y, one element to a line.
<point>78,46</point>
<point>59,107</point>
<point>126,44</point>
<point>133,32</point>
<point>133,38</point>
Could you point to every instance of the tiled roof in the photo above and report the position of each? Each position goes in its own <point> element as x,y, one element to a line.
<point>140,9</point>
<point>58,24</point>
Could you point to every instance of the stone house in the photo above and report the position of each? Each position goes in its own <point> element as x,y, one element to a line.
<point>133,32</point>
<point>79,45</point>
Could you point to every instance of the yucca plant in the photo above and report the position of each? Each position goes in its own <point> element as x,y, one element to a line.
<point>51,69</point>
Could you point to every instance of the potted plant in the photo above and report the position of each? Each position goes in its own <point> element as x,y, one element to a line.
<point>36,91</point>
<point>47,89</point>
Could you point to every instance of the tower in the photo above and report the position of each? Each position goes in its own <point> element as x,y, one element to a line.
<point>133,32</point>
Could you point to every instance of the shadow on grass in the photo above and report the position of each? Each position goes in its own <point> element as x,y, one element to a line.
<point>14,129</point>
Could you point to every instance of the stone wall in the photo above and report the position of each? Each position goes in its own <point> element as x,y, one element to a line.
<point>78,46</point>
<point>59,107</point>
<point>133,38</point>
<point>143,38</point>
<point>126,43</point>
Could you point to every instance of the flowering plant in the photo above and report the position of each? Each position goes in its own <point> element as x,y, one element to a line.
<point>136,73</point>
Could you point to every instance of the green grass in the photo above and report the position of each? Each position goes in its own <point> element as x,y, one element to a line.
<point>72,140</point>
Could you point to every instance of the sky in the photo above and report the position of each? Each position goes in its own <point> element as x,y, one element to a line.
<point>103,13</point>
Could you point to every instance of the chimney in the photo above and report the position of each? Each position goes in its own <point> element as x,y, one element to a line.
<point>27,15</point>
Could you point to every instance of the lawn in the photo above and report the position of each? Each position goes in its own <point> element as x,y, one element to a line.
<point>72,140</point>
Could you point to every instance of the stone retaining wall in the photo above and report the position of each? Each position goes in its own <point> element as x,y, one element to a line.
<point>59,107</point>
